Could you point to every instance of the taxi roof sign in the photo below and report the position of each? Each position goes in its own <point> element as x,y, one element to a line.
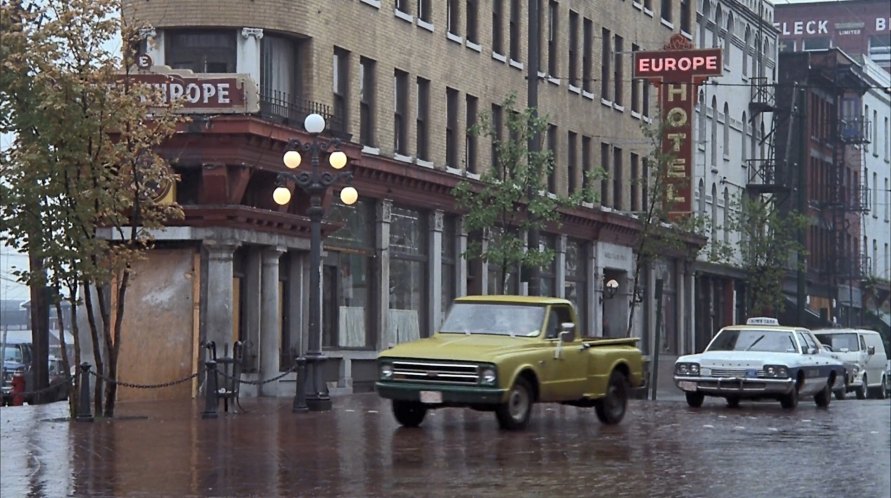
<point>762,320</point>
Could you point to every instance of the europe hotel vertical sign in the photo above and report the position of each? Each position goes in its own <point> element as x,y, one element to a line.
<point>676,71</point>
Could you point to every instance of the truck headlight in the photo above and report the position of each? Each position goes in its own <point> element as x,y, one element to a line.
<point>488,376</point>
<point>776,371</point>
<point>386,371</point>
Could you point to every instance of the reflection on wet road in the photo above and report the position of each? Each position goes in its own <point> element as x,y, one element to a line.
<point>661,448</point>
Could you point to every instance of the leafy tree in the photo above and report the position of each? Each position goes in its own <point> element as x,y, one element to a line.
<point>82,159</point>
<point>510,199</point>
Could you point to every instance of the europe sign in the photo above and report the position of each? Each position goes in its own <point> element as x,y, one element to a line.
<point>202,93</point>
<point>676,71</point>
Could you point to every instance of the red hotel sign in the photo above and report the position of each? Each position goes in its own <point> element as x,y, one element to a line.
<point>204,93</point>
<point>676,71</point>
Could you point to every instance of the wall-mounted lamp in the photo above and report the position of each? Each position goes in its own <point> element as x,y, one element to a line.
<point>609,289</point>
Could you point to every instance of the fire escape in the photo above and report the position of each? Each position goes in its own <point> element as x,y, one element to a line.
<point>764,180</point>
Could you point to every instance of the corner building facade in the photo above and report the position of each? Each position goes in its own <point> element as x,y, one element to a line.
<point>400,82</point>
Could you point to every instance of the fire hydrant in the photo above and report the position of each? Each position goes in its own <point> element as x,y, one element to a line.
<point>18,389</point>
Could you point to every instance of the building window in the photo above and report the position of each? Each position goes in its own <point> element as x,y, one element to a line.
<point>470,138</point>
<point>605,56</point>
<point>617,75</point>
<point>340,86</point>
<point>635,86</point>
<point>453,16</point>
<point>515,37</point>
<point>573,49</point>
<point>604,182</point>
<point>472,23</point>
<point>279,83</point>
<point>408,275</point>
<point>645,188</point>
<point>617,178</point>
<point>714,136</point>
<point>726,226</point>
<point>548,270</point>
<point>587,55</point>
<point>400,109</point>
<point>742,141</point>
<point>366,101</point>
<point>571,165</point>
<point>726,141</point>
<point>451,127</point>
<point>816,43</point>
<point>497,130</point>
<point>745,51</point>
<point>497,26</point>
<point>422,147</point>
<point>349,277</point>
<point>425,11</point>
<point>635,182</point>
<point>208,51</point>
<point>685,16</point>
<point>645,98</point>
<point>587,166</point>
<point>666,10</point>
<point>553,44</point>
<point>552,149</point>
<point>402,6</point>
<point>574,285</point>
<point>449,262</point>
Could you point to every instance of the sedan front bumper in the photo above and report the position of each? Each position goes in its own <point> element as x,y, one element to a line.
<point>734,386</point>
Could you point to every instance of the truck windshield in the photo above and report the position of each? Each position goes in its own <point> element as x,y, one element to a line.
<point>774,341</point>
<point>496,319</point>
<point>840,342</point>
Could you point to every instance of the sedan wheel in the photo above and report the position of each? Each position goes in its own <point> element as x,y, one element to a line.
<point>514,415</point>
<point>863,390</point>
<point>611,409</point>
<point>732,402</point>
<point>409,413</point>
<point>841,394</point>
<point>790,401</point>
<point>695,399</point>
<point>823,397</point>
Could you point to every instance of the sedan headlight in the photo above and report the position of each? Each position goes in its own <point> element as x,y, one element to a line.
<point>488,376</point>
<point>776,371</point>
<point>386,371</point>
<point>691,369</point>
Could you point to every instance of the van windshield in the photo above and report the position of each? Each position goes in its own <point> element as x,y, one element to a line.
<point>12,354</point>
<point>839,342</point>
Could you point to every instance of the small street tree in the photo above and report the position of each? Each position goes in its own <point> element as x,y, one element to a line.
<point>511,197</point>
<point>82,159</point>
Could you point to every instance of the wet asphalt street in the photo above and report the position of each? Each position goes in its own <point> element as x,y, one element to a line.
<point>662,448</point>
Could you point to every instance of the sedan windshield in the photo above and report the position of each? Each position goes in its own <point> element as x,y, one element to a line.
<point>497,319</point>
<point>773,341</point>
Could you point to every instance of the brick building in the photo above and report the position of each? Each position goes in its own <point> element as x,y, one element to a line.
<point>400,81</point>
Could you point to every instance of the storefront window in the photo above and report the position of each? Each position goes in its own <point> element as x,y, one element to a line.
<point>348,275</point>
<point>574,285</point>
<point>449,252</point>
<point>549,270</point>
<point>408,275</point>
<point>503,279</point>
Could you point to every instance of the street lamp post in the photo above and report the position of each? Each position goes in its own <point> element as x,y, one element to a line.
<point>312,395</point>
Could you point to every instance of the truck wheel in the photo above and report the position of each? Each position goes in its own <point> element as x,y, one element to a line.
<point>695,399</point>
<point>611,408</point>
<point>409,413</point>
<point>790,401</point>
<point>823,397</point>
<point>514,415</point>
<point>863,390</point>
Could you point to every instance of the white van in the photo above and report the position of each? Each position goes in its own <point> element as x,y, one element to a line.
<point>863,353</point>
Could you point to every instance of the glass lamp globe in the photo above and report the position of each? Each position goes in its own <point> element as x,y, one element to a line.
<point>314,123</point>
<point>281,195</point>
<point>349,196</point>
<point>292,159</point>
<point>337,159</point>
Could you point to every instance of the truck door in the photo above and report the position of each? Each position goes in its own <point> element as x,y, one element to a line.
<point>565,367</point>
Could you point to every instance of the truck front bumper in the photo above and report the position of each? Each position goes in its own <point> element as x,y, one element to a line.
<point>451,394</point>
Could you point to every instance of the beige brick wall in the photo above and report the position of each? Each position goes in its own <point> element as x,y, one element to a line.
<point>366,30</point>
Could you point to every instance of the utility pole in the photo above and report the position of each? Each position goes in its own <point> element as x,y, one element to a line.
<point>534,140</point>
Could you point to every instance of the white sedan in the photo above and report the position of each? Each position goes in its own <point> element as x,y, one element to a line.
<point>759,360</point>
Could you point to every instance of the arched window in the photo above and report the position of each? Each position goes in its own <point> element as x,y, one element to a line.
<point>701,192</point>
<point>714,136</point>
<point>728,40</point>
<point>703,24</point>
<point>754,137</point>
<point>742,141</point>
<point>726,150</point>
<point>746,44</point>
<point>726,215</point>
<point>719,20</point>
<point>714,212</point>
<point>700,139</point>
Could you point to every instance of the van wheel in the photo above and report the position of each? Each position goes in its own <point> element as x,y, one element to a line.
<point>882,391</point>
<point>409,413</point>
<point>514,415</point>
<point>695,399</point>
<point>611,409</point>
<point>863,390</point>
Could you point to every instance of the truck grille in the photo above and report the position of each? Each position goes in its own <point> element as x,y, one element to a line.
<point>436,373</point>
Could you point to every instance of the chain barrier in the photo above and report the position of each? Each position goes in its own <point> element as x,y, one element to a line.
<point>258,382</point>
<point>145,386</point>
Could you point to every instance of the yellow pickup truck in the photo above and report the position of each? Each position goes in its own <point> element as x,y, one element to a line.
<point>505,353</point>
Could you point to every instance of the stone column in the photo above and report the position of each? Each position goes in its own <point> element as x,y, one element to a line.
<point>251,288</point>
<point>384,210</point>
<point>434,283</point>
<point>297,323</point>
<point>219,321</point>
<point>589,264</point>
<point>270,320</point>
<point>249,53</point>
<point>460,260</point>
<point>560,267</point>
